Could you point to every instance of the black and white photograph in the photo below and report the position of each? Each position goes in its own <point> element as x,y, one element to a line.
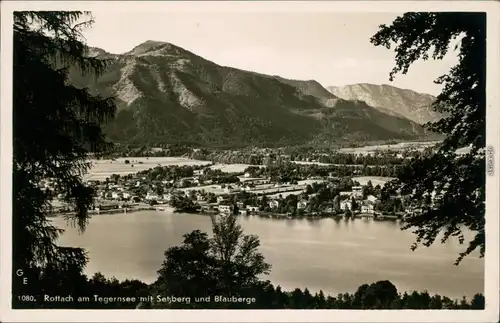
<point>328,157</point>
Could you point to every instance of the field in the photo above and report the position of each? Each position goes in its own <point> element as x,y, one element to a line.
<point>104,168</point>
<point>376,180</point>
<point>396,147</point>
<point>259,189</point>
<point>285,194</point>
<point>419,146</point>
<point>297,189</point>
<point>311,163</point>
<point>310,181</point>
<point>326,165</point>
<point>215,189</point>
<point>231,168</point>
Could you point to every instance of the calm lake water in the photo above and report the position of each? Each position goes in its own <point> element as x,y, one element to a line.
<point>332,255</point>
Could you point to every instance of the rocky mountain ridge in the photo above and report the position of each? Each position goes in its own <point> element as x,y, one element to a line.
<point>391,100</point>
<point>166,94</point>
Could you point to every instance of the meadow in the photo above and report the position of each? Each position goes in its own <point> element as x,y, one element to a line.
<point>231,168</point>
<point>102,169</point>
<point>376,180</point>
<point>419,146</point>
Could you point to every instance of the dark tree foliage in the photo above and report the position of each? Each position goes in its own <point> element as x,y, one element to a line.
<point>459,180</point>
<point>55,127</point>
<point>226,264</point>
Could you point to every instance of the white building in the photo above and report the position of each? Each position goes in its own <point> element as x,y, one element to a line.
<point>301,205</point>
<point>357,191</point>
<point>367,208</point>
<point>274,204</point>
<point>231,189</point>
<point>346,205</point>
<point>251,208</point>
<point>437,197</point>
<point>152,196</point>
<point>226,209</point>
<point>371,198</point>
<point>413,210</point>
<point>198,172</point>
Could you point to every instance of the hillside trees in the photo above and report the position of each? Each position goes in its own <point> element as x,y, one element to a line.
<point>461,179</point>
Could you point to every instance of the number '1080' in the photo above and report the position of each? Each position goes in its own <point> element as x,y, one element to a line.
<point>26,298</point>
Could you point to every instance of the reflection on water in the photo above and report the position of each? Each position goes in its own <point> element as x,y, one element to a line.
<point>334,255</point>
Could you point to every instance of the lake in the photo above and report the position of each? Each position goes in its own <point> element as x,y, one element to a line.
<point>332,255</point>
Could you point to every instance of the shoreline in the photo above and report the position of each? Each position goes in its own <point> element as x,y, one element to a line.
<point>319,217</point>
<point>159,207</point>
<point>280,216</point>
<point>264,215</point>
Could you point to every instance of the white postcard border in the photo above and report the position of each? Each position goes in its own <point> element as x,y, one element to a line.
<point>492,287</point>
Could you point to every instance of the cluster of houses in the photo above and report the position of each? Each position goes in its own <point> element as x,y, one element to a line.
<point>367,206</point>
<point>226,208</point>
<point>123,190</point>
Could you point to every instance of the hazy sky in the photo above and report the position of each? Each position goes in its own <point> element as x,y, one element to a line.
<point>332,48</point>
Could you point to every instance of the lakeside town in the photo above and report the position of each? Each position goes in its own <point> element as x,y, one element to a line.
<point>275,184</point>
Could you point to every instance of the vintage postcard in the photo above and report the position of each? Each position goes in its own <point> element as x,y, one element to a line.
<point>296,161</point>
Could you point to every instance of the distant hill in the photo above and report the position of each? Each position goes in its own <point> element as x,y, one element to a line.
<point>392,100</point>
<point>166,94</point>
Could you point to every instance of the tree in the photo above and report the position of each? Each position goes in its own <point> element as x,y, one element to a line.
<point>436,303</point>
<point>354,204</point>
<point>477,302</point>
<point>357,302</point>
<point>378,295</point>
<point>159,190</point>
<point>461,178</point>
<point>55,126</point>
<point>237,253</point>
<point>188,270</point>
<point>369,187</point>
<point>226,264</point>
<point>336,202</point>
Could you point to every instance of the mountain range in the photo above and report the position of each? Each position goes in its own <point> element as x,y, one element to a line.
<point>391,100</point>
<point>166,94</point>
